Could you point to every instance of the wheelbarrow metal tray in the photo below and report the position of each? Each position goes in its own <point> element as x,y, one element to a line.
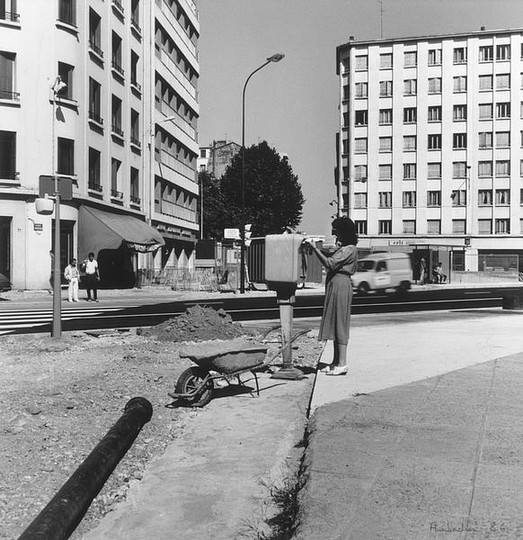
<point>229,359</point>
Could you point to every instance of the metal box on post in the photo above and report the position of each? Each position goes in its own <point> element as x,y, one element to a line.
<point>283,260</point>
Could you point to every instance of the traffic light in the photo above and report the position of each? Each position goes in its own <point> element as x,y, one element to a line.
<point>248,233</point>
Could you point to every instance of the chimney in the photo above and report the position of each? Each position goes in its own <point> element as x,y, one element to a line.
<point>482,28</point>
<point>351,38</point>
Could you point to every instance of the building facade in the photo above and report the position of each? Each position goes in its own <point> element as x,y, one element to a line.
<point>430,143</point>
<point>215,158</point>
<point>104,94</point>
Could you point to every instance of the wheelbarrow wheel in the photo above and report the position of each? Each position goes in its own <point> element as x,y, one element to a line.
<point>189,381</point>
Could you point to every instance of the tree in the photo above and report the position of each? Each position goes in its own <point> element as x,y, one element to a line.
<point>273,196</point>
<point>213,206</point>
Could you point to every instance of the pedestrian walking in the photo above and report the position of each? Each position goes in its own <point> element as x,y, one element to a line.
<point>72,275</point>
<point>422,271</point>
<point>90,267</point>
<point>340,265</point>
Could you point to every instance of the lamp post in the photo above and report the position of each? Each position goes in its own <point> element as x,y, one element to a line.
<point>274,58</point>
<point>58,85</point>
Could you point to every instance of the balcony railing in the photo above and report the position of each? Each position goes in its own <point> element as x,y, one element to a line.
<point>13,96</point>
<point>96,48</point>
<point>117,130</point>
<point>136,142</point>
<point>135,200</point>
<point>136,25</point>
<point>96,118</point>
<point>9,16</point>
<point>8,174</point>
<point>169,208</point>
<point>118,68</point>
<point>116,194</point>
<point>95,187</point>
<point>118,6</point>
<point>174,163</point>
<point>136,85</point>
<point>179,75</point>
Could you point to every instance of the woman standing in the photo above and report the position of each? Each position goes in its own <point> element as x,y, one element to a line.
<point>340,266</point>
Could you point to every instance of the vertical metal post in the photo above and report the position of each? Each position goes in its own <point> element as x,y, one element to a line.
<point>57,292</point>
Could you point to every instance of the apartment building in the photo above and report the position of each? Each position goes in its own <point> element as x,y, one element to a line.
<point>430,143</point>
<point>217,157</point>
<point>104,94</point>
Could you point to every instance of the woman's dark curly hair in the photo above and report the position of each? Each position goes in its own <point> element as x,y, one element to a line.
<point>345,231</point>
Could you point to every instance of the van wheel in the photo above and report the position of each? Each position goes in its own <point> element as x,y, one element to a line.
<point>404,286</point>
<point>363,287</point>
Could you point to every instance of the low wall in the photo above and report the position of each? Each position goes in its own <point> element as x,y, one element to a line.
<point>485,277</point>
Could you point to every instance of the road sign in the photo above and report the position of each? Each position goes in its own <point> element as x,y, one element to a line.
<point>231,234</point>
<point>65,187</point>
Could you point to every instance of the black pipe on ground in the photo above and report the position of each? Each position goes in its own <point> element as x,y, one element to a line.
<point>62,515</point>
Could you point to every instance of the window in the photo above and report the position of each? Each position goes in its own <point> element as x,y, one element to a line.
<point>345,146</point>
<point>433,198</point>
<point>409,171</point>
<point>459,197</point>
<point>458,226</point>
<point>409,226</point>
<point>95,91</point>
<point>434,57</point>
<point>360,118</point>
<point>460,55</point>
<point>117,53</point>
<point>67,11</point>
<point>135,128</point>
<point>485,111</point>
<point>485,226</point>
<point>94,170</point>
<point>345,119</point>
<point>503,81</point>
<point>460,84</point>
<point>502,226</point>
<point>410,87</point>
<point>360,146</point>
<point>459,169</point>
<point>409,143</point>
<point>409,115</point>
<point>65,156</point>
<point>434,142</point>
<point>345,91</point>
<point>409,199</point>
<point>385,144</point>
<point>502,139</point>
<point>485,197</point>
<point>502,110</point>
<point>485,82</point>
<point>360,172</point>
<point>361,90</point>
<point>435,85</point>
<point>134,69</point>
<point>433,170</point>
<point>135,186</point>
<point>385,117</point>
<point>386,61</point>
<point>385,88</point>
<point>65,72</point>
<point>362,63</point>
<point>521,167</point>
<point>459,113</point>
<point>8,155</point>
<point>115,175</point>
<point>7,75</point>
<point>434,226</point>
<point>502,52</point>
<point>360,200</point>
<point>502,197</point>
<point>95,26</point>
<point>486,53</point>
<point>385,198</point>
<point>135,14</point>
<point>503,167</point>
<point>521,197</point>
<point>485,139</point>
<point>116,116</point>
<point>385,172</point>
<point>361,227</point>
<point>485,169</point>
<point>410,58</point>
<point>434,113</point>
<point>459,140</point>
<point>384,226</point>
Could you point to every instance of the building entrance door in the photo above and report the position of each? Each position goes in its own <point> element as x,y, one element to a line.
<point>66,244</point>
<point>5,252</point>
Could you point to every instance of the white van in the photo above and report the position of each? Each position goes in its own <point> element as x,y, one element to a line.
<point>380,271</point>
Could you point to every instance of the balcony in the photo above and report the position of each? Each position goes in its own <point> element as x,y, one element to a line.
<point>171,209</point>
<point>115,130</point>
<point>135,26</point>
<point>136,86</point>
<point>95,187</point>
<point>117,5</point>
<point>135,200</point>
<point>136,142</point>
<point>95,48</point>
<point>95,117</point>
<point>118,68</point>
<point>9,174</point>
<point>9,16</point>
<point>176,71</point>
<point>9,96</point>
<point>115,194</point>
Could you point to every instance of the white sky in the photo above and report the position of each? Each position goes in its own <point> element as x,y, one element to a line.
<point>293,104</point>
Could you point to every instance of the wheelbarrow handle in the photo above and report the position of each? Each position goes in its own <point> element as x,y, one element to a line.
<point>275,354</point>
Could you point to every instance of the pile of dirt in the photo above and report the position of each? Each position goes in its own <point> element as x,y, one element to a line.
<point>198,323</point>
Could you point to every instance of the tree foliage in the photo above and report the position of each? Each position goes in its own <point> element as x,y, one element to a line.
<point>213,206</point>
<point>273,196</point>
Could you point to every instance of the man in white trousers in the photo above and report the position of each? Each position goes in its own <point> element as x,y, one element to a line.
<point>72,275</point>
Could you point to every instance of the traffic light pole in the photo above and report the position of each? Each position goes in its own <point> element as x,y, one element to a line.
<point>57,292</point>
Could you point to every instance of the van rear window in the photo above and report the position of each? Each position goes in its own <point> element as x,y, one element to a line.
<point>365,266</point>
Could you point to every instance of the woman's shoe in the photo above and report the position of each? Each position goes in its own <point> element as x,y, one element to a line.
<point>338,370</point>
<point>326,369</point>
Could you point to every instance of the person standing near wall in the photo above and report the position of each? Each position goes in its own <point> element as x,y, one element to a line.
<point>340,265</point>
<point>90,267</point>
<point>72,275</point>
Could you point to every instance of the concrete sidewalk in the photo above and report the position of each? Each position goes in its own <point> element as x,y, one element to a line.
<point>423,438</point>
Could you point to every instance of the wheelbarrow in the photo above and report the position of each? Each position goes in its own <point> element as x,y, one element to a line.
<point>195,385</point>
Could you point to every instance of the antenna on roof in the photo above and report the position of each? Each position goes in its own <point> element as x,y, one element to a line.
<point>381,18</point>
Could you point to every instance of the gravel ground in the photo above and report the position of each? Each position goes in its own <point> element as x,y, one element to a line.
<point>59,398</point>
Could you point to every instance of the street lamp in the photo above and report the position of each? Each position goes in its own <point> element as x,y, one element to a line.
<point>58,85</point>
<point>274,58</point>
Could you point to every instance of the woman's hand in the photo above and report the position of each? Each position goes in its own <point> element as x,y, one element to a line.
<point>309,242</point>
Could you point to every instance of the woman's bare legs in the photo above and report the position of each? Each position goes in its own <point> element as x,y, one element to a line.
<point>340,354</point>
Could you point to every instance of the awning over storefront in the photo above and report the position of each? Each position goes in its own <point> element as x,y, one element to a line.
<point>99,230</point>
